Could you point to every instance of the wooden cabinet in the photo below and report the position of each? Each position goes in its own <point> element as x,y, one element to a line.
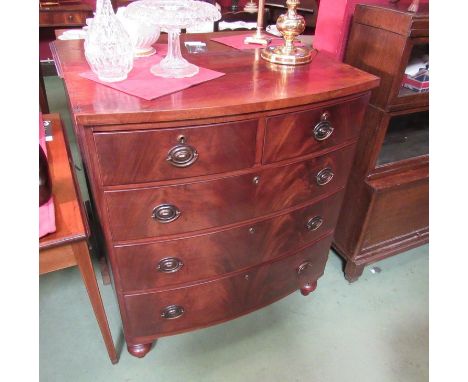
<point>55,15</point>
<point>221,198</point>
<point>66,14</point>
<point>385,210</point>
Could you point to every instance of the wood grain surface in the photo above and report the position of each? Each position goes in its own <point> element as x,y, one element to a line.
<point>216,301</point>
<point>250,85</point>
<point>223,201</point>
<point>223,251</point>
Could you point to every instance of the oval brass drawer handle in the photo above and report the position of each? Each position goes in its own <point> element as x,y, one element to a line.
<point>170,265</point>
<point>165,213</point>
<point>314,223</point>
<point>182,155</point>
<point>324,128</point>
<point>172,312</point>
<point>324,176</point>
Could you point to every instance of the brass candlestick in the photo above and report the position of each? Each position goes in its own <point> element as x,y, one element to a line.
<point>290,25</point>
<point>259,37</point>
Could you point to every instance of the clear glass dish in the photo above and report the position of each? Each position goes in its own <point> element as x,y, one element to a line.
<point>172,16</point>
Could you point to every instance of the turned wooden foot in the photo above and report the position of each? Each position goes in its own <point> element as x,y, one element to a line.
<point>308,288</point>
<point>353,271</point>
<point>139,350</point>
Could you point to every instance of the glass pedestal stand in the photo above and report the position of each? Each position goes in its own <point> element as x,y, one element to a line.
<point>174,65</point>
<point>172,16</point>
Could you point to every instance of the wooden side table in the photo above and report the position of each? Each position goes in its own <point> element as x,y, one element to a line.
<point>68,246</point>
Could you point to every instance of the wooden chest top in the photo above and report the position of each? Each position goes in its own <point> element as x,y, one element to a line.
<point>250,85</point>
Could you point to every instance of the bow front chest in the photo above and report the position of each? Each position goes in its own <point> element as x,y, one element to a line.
<point>222,198</point>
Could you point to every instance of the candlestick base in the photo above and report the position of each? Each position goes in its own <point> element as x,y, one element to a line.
<point>251,7</point>
<point>260,40</point>
<point>297,55</point>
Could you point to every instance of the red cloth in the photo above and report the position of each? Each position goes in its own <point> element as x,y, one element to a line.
<point>228,3</point>
<point>142,83</point>
<point>47,210</point>
<point>237,41</point>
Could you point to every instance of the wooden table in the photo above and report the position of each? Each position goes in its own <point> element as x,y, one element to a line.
<point>68,245</point>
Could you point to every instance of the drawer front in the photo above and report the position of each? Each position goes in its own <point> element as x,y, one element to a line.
<point>152,155</point>
<point>157,211</point>
<point>304,132</point>
<point>216,301</point>
<point>173,262</point>
<point>63,18</point>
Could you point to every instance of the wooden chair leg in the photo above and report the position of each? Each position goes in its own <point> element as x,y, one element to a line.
<point>83,259</point>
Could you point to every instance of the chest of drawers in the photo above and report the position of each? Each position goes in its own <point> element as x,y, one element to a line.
<point>222,198</point>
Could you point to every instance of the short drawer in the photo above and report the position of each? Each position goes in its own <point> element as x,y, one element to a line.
<point>63,18</point>
<point>304,132</point>
<point>161,154</point>
<point>168,312</point>
<point>182,208</point>
<point>172,262</point>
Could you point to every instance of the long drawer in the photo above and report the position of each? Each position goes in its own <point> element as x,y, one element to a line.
<point>171,311</point>
<point>172,262</point>
<point>182,208</point>
<point>161,154</point>
<point>295,134</point>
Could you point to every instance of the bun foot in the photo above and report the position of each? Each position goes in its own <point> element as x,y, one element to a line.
<point>308,288</point>
<point>139,350</point>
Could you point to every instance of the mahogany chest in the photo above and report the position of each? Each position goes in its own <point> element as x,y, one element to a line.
<point>222,198</point>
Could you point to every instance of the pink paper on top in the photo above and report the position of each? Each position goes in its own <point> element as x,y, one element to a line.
<point>142,83</point>
<point>47,210</point>
<point>237,41</point>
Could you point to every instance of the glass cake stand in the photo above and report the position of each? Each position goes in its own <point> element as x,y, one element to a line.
<point>172,16</point>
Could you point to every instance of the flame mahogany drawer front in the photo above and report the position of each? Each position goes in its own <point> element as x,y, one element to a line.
<point>300,133</point>
<point>177,310</point>
<point>183,208</point>
<point>173,262</point>
<point>162,154</point>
